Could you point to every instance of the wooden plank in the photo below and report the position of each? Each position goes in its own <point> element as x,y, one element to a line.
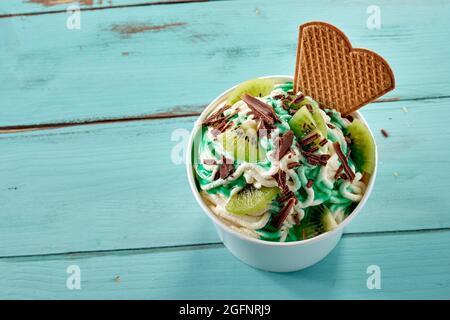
<point>412,267</point>
<point>146,60</point>
<point>114,186</point>
<point>34,7</point>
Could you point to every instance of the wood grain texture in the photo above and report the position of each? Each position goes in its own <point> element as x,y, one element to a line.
<point>412,267</point>
<point>183,58</point>
<point>114,186</point>
<point>13,8</point>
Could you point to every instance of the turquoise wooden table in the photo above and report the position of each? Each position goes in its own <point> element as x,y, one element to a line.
<point>95,109</point>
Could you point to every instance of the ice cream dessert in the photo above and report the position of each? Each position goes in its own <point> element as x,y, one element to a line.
<point>273,164</point>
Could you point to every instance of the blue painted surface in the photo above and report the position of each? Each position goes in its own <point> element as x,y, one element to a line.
<point>109,198</point>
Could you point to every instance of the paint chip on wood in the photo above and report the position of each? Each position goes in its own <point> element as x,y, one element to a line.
<point>126,30</point>
<point>49,3</point>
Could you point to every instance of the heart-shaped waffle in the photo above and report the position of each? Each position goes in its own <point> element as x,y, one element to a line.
<point>336,75</point>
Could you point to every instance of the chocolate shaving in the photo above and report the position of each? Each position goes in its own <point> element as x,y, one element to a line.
<point>338,171</point>
<point>293,165</point>
<point>349,118</point>
<point>286,197</point>
<point>298,99</point>
<point>215,132</point>
<point>209,162</point>
<point>278,96</point>
<point>280,177</point>
<point>284,144</point>
<point>313,149</point>
<point>262,109</point>
<point>216,115</point>
<point>310,183</point>
<point>330,126</point>
<point>226,168</point>
<point>225,126</point>
<point>313,161</point>
<point>310,108</point>
<point>282,215</point>
<point>323,142</point>
<point>296,218</point>
<point>309,138</point>
<point>285,104</point>
<point>343,159</point>
<point>384,133</point>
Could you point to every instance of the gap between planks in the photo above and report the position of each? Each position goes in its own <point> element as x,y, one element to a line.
<point>155,116</point>
<point>119,6</point>
<point>199,246</point>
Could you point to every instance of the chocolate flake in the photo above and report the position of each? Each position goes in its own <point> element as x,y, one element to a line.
<point>338,171</point>
<point>284,212</point>
<point>384,133</point>
<point>313,161</point>
<point>262,109</point>
<point>296,218</point>
<point>293,165</point>
<point>298,99</point>
<point>286,197</point>
<point>216,115</point>
<point>284,144</point>
<point>343,159</point>
<point>280,177</point>
<point>226,168</point>
<point>209,162</point>
<point>313,149</point>
<point>330,126</point>
<point>310,183</point>
<point>309,138</point>
<point>323,142</point>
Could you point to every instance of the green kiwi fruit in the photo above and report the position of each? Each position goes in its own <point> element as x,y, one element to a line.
<point>317,116</point>
<point>251,201</point>
<point>255,88</point>
<point>303,123</point>
<point>362,146</point>
<point>320,122</point>
<point>318,219</point>
<point>242,144</point>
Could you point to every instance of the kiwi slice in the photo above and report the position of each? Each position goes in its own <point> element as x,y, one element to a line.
<point>255,88</point>
<point>300,104</point>
<point>320,122</point>
<point>242,144</point>
<point>362,146</point>
<point>318,219</point>
<point>303,123</point>
<point>251,201</point>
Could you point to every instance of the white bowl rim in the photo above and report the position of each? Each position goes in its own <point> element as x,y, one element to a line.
<point>217,220</point>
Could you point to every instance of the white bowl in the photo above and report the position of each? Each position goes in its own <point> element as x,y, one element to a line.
<point>266,255</point>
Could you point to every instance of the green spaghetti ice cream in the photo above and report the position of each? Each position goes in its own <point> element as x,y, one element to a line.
<point>273,165</point>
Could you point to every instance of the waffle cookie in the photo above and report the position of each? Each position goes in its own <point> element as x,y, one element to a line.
<point>336,75</point>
